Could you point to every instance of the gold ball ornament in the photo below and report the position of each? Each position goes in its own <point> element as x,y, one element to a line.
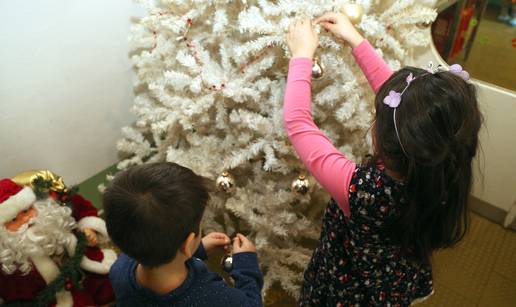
<point>301,185</point>
<point>354,11</point>
<point>225,182</point>
<point>317,69</point>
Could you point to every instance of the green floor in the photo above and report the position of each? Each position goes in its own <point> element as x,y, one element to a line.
<point>89,188</point>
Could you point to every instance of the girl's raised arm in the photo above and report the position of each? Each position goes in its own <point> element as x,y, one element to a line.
<point>327,164</point>
<point>373,66</point>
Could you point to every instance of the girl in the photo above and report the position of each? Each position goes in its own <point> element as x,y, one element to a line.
<point>386,217</point>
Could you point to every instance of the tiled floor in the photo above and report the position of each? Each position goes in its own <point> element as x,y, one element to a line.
<point>479,271</point>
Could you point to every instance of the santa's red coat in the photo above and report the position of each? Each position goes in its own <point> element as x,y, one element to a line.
<point>16,287</point>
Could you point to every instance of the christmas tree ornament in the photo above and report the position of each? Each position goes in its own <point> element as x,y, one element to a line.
<point>317,69</point>
<point>184,37</point>
<point>227,262</point>
<point>354,11</point>
<point>225,182</point>
<point>424,25</point>
<point>301,185</point>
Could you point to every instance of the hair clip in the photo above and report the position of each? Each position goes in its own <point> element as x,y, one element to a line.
<point>394,98</point>
<point>456,69</point>
<point>433,69</point>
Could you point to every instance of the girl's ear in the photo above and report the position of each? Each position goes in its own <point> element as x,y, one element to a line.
<point>189,245</point>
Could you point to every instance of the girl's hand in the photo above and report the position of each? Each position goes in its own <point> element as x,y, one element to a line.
<point>340,26</point>
<point>214,240</point>
<point>302,39</point>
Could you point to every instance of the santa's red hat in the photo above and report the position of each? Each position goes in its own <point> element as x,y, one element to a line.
<point>14,199</point>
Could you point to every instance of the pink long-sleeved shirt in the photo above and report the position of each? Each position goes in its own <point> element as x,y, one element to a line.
<point>328,165</point>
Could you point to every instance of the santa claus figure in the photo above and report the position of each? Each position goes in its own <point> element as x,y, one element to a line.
<point>38,241</point>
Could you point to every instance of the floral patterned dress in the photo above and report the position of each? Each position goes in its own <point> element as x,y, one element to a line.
<point>356,264</point>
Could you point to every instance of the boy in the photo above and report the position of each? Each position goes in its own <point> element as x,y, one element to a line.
<point>153,214</point>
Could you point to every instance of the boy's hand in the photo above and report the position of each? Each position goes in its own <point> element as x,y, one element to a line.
<point>241,244</point>
<point>214,240</point>
<point>340,26</point>
<point>302,39</point>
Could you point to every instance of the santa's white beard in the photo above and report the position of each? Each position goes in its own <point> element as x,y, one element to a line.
<point>48,233</point>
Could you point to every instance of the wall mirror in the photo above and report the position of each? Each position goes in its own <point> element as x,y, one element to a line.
<point>481,36</point>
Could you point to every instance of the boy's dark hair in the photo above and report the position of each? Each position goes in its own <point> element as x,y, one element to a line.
<point>438,122</point>
<point>152,208</point>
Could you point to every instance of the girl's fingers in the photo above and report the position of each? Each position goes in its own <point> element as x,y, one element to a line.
<point>326,20</point>
<point>319,19</point>
<point>326,25</point>
<point>328,17</point>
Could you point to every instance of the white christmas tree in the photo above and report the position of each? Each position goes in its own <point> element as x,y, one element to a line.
<point>210,77</point>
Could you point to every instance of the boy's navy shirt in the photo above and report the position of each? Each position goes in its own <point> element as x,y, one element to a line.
<point>200,288</point>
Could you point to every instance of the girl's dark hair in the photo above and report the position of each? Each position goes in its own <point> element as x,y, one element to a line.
<point>438,122</point>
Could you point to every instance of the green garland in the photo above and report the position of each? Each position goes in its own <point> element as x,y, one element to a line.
<point>41,186</point>
<point>42,189</point>
<point>70,271</point>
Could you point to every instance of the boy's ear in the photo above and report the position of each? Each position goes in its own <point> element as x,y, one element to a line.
<point>189,245</point>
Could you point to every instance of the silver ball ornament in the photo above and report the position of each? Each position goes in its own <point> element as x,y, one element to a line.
<point>317,69</point>
<point>301,185</point>
<point>424,25</point>
<point>227,263</point>
<point>225,182</point>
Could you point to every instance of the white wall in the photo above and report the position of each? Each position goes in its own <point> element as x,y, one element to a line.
<point>65,84</point>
